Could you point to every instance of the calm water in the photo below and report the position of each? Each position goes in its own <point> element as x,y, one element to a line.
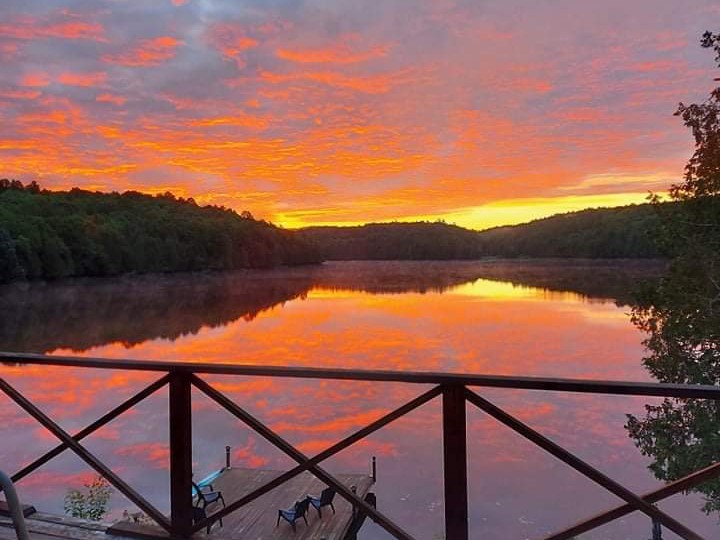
<point>538,318</point>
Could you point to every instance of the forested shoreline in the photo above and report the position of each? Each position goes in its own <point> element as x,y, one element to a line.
<point>55,234</point>
<point>626,232</point>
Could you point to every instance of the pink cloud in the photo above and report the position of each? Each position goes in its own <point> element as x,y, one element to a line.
<point>149,52</point>
<point>35,79</point>
<point>110,98</point>
<point>28,28</point>
<point>95,78</point>
<point>231,40</point>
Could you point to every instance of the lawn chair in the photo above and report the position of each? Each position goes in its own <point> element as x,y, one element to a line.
<point>200,515</point>
<point>205,497</point>
<point>296,512</point>
<point>325,499</point>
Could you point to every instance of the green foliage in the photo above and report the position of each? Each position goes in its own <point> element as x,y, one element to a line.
<point>626,232</point>
<point>50,235</point>
<point>395,241</point>
<point>604,233</point>
<point>91,502</point>
<point>681,315</point>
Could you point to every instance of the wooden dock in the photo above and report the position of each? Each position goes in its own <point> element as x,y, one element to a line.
<point>257,520</point>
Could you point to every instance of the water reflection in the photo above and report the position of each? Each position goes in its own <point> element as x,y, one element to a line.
<point>80,314</point>
<point>681,321</point>
<point>539,318</point>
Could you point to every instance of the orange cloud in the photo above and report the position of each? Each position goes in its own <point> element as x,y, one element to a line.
<point>340,54</point>
<point>110,98</point>
<point>149,52</point>
<point>20,94</point>
<point>370,84</point>
<point>154,453</point>
<point>231,40</point>
<point>8,50</point>
<point>35,79</point>
<point>27,28</point>
<point>82,79</point>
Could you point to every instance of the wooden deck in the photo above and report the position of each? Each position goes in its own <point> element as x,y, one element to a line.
<point>42,526</point>
<point>256,520</point>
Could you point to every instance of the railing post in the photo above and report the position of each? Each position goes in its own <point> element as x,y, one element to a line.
<point>455,461</point>
<point>181,507</point>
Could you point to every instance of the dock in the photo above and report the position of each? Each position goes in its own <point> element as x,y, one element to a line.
<point>256,520</point>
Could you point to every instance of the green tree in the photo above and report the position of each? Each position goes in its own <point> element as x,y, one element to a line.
<point>681,315</point>
<point>9,264</point>
<point>91,502</point>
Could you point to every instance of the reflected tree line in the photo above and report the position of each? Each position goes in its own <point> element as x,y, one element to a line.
<point>680,314</point>
<point>79,314</point>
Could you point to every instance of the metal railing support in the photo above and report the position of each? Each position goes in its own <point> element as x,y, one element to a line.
<point>16,512</point>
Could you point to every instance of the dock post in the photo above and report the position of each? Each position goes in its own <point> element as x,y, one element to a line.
<point>227,457</point>
<point>181,506</point>
<point>656,530</point>
<point>374,469</point>
<point>455,462</point>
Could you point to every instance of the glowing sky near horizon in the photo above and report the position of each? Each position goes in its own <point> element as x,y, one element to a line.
<point>326,112</point>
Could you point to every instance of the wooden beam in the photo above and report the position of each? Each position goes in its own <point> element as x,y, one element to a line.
<point>181,502</point>
<point>683,484</point>
<point>582,467</point>
<point>298,456</point>
<point>100,422</point>
<point>102,469</point>
<point>685,391</point>
<point>455,463</point>
<point>325,454</point>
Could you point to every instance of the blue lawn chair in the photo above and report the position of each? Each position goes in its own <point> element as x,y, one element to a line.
<point>325,499</point>
<point>296,512</point>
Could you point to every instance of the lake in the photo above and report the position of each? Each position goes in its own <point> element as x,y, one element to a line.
<point>541,318</point>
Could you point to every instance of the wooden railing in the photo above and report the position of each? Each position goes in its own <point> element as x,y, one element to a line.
<point>456,390</point>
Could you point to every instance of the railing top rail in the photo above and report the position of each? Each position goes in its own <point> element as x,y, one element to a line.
<point>415,377</point>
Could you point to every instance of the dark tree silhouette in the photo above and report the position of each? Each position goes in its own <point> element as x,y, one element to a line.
<point>681,315</point>
<point>53,234</point>
<point>609,233</point>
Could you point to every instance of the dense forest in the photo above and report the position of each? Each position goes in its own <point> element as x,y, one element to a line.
<point>605,233</point>
<point>395,241</point>
<point>53,234</point>
<point>625,232</point>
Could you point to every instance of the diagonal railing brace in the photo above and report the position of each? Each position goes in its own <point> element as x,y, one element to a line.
<point>298,456</point>
<point>322,456</point>
<point>580,466</point>
<point>84,454</point>
<point>92,428</point>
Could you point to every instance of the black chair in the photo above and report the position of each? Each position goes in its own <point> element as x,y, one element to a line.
<point>200,515</point>
<point>205,497</point>
<point>296,512</point>
<point>325,499</point>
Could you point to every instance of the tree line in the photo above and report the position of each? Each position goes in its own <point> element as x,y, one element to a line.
<point>680,314</point>
<point>54,234</point>
<point>608,233</point>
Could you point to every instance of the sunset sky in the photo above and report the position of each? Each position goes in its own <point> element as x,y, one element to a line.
<point>336,111</point>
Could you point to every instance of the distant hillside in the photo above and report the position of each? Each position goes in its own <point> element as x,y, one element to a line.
<point>49,234</point>
<point>395,241</point>
<point>624,232</point>
<point>606,233</point>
